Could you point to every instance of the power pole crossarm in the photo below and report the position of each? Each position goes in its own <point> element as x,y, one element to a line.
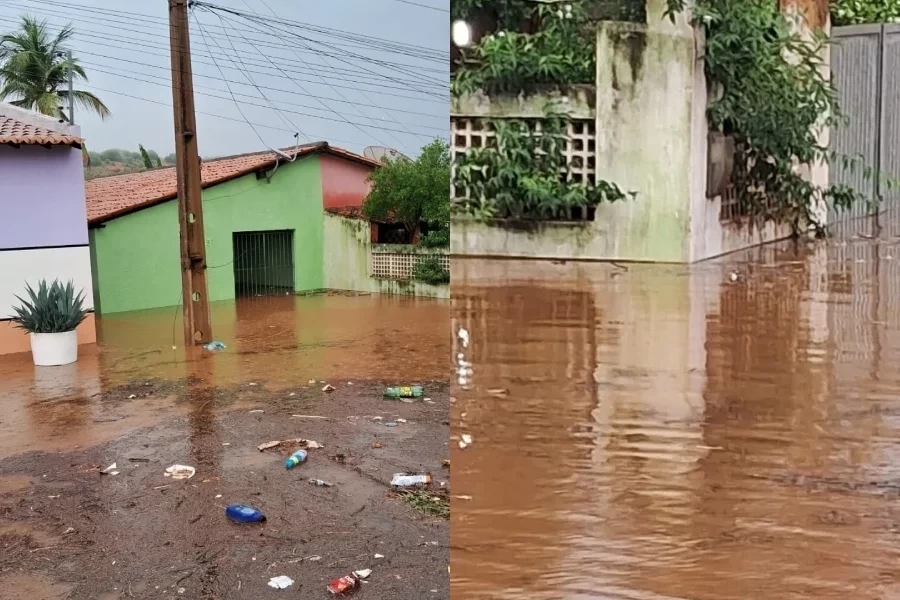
<point>197,325</point>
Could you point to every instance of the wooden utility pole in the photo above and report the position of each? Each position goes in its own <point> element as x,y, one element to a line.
<point>197,325</point>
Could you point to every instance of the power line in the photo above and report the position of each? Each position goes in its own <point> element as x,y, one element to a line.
<point>250,17</point>
<point>423,5</point>
<point>238,106</point>
<point>147,43</point>
<point>367,40</point>
<point>335,90</point>
<point>323,103</point>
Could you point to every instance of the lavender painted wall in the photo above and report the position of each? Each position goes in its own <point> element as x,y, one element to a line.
<point>41,197</point>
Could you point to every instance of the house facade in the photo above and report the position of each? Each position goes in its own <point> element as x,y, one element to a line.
<point>268,222</point>
<point>43,226</point>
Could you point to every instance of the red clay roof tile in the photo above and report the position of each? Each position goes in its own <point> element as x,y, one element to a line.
<point>110,197</point>
<point>14,131</point>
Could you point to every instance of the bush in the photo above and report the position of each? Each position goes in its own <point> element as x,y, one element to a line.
<point>429,270</point>
<point>50,309</point>
<point>439,238</point>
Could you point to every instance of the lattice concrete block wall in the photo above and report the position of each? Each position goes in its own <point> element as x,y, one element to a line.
<point>474,132</point>
<point>399,266</point>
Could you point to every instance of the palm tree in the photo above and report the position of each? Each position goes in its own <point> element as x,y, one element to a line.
<point>34,71</point>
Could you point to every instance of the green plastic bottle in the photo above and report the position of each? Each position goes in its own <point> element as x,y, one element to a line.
<point>405,391</point>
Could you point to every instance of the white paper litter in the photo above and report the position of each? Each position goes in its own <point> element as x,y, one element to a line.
<point>363,573</point>
<point>180,472</point>
<point>110,470</point>
<point>312,444</point>
<point>281,582</point>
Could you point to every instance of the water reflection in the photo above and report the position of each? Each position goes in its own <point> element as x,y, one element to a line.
<point>714,432</point>
<point>272,342</point>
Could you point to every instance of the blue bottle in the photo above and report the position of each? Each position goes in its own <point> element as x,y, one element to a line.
<point>295,459</point>
<point>241,513</point>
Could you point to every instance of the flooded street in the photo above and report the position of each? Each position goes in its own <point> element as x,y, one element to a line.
<point>729,430</point>
<point>68,532</point>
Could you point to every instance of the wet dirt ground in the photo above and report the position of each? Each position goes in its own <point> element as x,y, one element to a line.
<point>70,532</point>
<point>650,432</point>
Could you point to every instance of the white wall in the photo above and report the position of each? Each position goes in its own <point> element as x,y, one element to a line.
<point>20,266</point>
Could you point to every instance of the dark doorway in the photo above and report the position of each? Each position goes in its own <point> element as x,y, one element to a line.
<point>263,262</point>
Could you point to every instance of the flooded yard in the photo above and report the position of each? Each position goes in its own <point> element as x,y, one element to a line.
<point>67,531</point>
<point>648,432</point>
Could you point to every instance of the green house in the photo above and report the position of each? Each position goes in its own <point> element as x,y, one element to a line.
<point>264,220</point>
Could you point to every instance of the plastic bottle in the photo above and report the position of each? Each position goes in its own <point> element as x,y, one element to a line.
<point>295,459</point>
<point>404,480</point>
<point>241,513</point>
<point>406,391</point>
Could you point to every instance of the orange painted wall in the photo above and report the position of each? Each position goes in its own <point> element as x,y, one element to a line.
<point>13,339</point>
<point>343,182</point>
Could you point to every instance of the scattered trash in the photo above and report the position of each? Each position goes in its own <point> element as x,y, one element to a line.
<point>377,445</point>
<point>241,513</point>
<point>407,391</point>
<point>446,462</point>
<point>226,443</point>
<point>464,497</point>
<point>428,401</point>
<point>138,459</point>
<point>406,480</point>
<point>132,396</point>
<point>252,383</point>
<point>377,418</point>
<point>214,346</point>
<point>257,410</point>
<point>110,470</point>
<point>463,335</point>
<point>465,440</point>
<point>309,417</point>
<point>498,392</point>
<point>69,530</point>
<point>390,424</point>
<point>311,382</point>
<point>328,388</point>
<point>295,459</point>
<point>348,583</point>
<point>218,496</point>
<point>292,394</point>
<point>321,483</point>
<point>281,582</point>
<point>401,420</point>
<point>733,277</point>
<point>180,472</point>
<point>379,556</point>
<point>303,442</point>
<point>181,591</point>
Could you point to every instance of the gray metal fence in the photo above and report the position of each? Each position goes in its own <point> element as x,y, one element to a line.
<point>865,64</point>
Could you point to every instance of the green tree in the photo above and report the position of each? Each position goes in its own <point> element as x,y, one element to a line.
<point>413,191</point>
<point>145,158</point>
<point>34,71</point>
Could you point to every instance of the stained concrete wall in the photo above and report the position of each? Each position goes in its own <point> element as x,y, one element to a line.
<point>348,259</point>
<point>651,101</point>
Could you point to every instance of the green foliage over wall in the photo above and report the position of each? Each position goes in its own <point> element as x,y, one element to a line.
<point>859,12</point>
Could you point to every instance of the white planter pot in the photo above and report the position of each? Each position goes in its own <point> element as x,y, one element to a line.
<point>52,349</point>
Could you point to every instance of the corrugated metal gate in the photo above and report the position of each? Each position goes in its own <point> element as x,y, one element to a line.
<point>865,64</point>
<point>263,262</point>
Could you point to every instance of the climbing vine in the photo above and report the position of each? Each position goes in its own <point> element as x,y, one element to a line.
<point>774,96</point>
<point>524,174</point>
<point>859,12</point>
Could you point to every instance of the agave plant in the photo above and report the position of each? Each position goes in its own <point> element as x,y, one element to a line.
<point>52,308</point>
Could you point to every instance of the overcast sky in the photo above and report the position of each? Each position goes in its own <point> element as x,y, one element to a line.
<point>123,46</point>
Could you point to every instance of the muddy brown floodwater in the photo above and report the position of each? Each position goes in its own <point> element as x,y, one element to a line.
<point>725,431</point>
<point>68,532</point>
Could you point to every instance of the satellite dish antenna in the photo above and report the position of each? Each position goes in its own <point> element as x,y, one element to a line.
<point>379,152</point>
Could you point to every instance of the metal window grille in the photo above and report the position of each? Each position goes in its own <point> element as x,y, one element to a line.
<point>399,266</point>
<point>263,262</point>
